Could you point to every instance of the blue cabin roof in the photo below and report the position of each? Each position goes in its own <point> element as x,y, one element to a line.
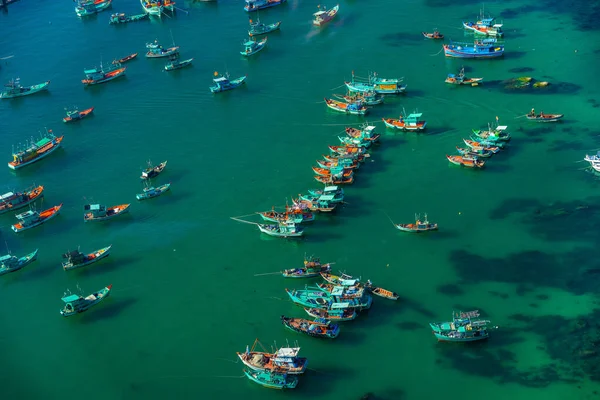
<point>70,298</point>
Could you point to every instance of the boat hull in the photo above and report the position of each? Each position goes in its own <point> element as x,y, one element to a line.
<point>103,293</point>
<point>250,8</point>
<point>14,166</point>
<point>455,53</point>
<point>81,115</point>
<point>99,255</point>
<point>109,76</point>
<point>546,118</point>
<point>268,28</point>
<point>33,195</point>
<point>45,216</point>
<point>23,262</point>
<point>444,338</point>
<point>182,64</point>
<point>232,85</point>
<point>32,89</point>
<point>122,209</point>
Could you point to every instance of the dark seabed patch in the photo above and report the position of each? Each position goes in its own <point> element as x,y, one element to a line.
<point>450,290</point>
<point>521,70</point>
<point>402,38</point>
<point>409,325</point>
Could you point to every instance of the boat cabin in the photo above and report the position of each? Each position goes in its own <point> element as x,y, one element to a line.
<point>96,210</point>
<point>74,256</point>
<point>11,198</point>
<point>8,260</point>
<point>27,217</point>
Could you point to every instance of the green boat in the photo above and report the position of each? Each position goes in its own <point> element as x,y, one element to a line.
<point>222,83</point>
<point>497,134</point>
<point>14,89</point>
<point>258,28</point>
<point>312,267</point>
<point>316,297</point>
<point>10,263</point>
<point>464,327</point>
<point>252,47</point>
<point>150,192</point>
<point>75,304</point>
<point>175,63</point>
<point>272,380</point>
<point>121,18</point>
<point>335,191</point>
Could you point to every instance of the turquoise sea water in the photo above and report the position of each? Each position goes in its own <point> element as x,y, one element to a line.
<point>517,240</point>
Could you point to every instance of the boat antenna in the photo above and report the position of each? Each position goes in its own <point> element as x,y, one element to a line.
<point>7,249</point>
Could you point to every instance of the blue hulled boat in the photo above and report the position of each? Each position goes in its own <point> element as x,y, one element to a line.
<point>464,327</point>
<point>486,48</point>
<point>255,5</point>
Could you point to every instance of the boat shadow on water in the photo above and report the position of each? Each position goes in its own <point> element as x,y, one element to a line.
<point>19,102</point>
<point>108,308</point>
<point>324,380</point>
<point>99,89</point>
<point>109,264</point>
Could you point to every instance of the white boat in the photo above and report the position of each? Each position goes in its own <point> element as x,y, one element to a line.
<point>323,16</point>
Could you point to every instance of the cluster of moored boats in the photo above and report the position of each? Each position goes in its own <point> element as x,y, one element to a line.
<point>481,146</point>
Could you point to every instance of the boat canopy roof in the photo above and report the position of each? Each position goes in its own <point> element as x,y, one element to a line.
<point>319,13</point>
<point>415,115</point>
<point>43,142</point>
<point>369,128</point>
<point>337,291</point>
<point>70,298</point>
<point>249,43</point>
<point>93,207</point>
<point>221,79</point>
<point>502,128</point>
<point>288,352</point>
<point>6,257</point>
<point>25,215</point>
<point>7,195</point>
<point>330,188</point>
<point>349,282</point>
<point>326,197</point>
<point>340,305</point>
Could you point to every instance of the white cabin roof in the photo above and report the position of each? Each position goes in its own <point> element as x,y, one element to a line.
<point>502,128</point>
<point>340,305</point>
<point>349,282</point>
<point>288,352</point>
<point>330,188</point>
<point>6,195</point>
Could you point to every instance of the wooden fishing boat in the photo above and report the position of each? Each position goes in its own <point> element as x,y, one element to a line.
<point>90,7</point>
<point>153,171</point>
<point>486,48</point>
<point>412,122</point>
<point>493,135</point>
<point>343,150</point>
<point>344,292</point>
<point>336,171</point>
<point>377,291</point>
<point>490,141</point>
<point>75,304</point>
<point>128,58</point>
<point>258,28</point>
<point>366,133</point>
<point>223,83</point>
<point>356,108</point>
<point>153,7</point>
<point>324,203</point>
<point>284,359</point>
<point>375,84</point>
<point>323,16</point>
<point>175,63</point>
<point>319,328</point>
<point>316,297</point>
<point>541,117</point>
<point>366,98</point>
<point>12,201</point>
<point>121,18</point>
<point>335,191</point>
<point>285,229</point>
<point>465,161</point>
<point>312,267</point>
<point>76,259</point>
<point>474,153</point>
<point>433,35</point>
<point>14,89</point>
<point>272,380</point>
<point>96,76</point>
<point>338,312</point>
<point>10,263</point>
<point>160,52</point>
<point>337,157</point>
<point>340,280</point>
<point>289,215</point>
<point>255,5</point>
<point>484,27</point>
<point>30,219</point>
<point>479,146</point>
<point>350,141</point>
<point>98,212</point>
<point>344,164</point>
<point>151,191</point>
<point>253,46</point>
<point>594,159</point>
<point>35,151</point>
<point>461,79</point>
<point>335,180</point>
<point>464,327</point>
<point>418,226</point>
<point>76,115</point>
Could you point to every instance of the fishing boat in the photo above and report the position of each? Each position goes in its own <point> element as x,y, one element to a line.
<point>344,292</point>
<point>98,212</point>
<point>76,115</point>
<point>75,304</point>
<point>366,133</point>
<point>77,259</point>
<point>378,291</point>
<point>356,108</point>
<point>122,18</point>
<point>258,28</point>
<point>336,192</point>
<point>175,63</point>
<point>30,219</point>
<point>253,46</point>
<point>336,157</point>
<point>434,35</point>
<point>376,84</point>
<point>340,280</point>
<point>319,328</point>
<point>289,215</point>
<point>35,151</point>
<point>285,229</point>
<point>323,16</point>
<point>489,141</point>
<point>418,226</point>
<point>10,263</point>
<point>594,159</point>
<point>541,117</point>
<point>223,83</point>
<point>284,359</point>
<point>464,327</point>
<point>412,122</point>
<point>474,153</point>
<point>312,267</point>
<point>477,146</point>
<point>324,203</point>
<point>91,7</point>
<point>255,5</point>
<point>486,48</point>
<point>493,135</point>
<point>12,201</point>
<point>461,79</point>
<point>151,191</point>
<point>153,171</point>
<point>155,50</point>
<point>485,27</point>
<point>272,380</point>
<point>153,7</point>
<point>338,312</point>
<point>466,161</point>
<point>335,179</point>
<point>128,58</point>
<point>316,297</point>
<point>350,141</point>
<point>335,171</point>
<point>344,163</point>
<point>96,76</point>
<point>367,98</point>
<point>14,89</point>
<point>347,150</point>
